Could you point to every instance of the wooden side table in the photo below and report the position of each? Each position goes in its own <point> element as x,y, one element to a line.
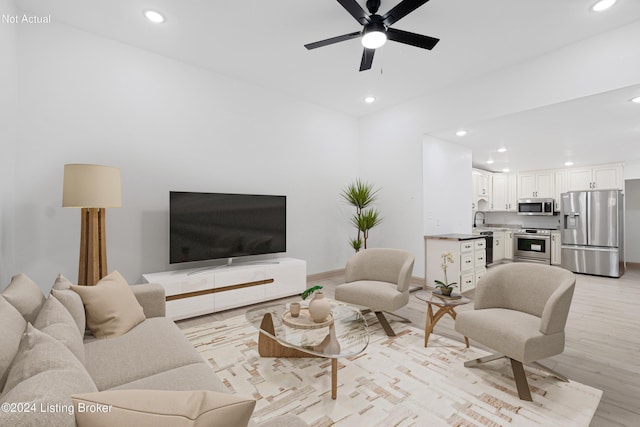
<point>445,306</point>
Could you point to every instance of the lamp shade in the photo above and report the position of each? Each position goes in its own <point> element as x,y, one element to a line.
<point>91,186</point>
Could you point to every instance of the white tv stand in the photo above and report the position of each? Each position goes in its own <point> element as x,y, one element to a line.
<point>194,292</point>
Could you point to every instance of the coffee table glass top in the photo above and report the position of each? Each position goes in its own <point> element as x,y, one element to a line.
<point>346,337</point>
<point>430,297</point>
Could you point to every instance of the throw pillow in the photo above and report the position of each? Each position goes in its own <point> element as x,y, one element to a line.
<point>25,296</point>
<point>44,374</point>
<point>71,300</point>
<point>62,283</point>
<point>56,321</point>
<point>161,408</point>
<point>111,307</point>
<point>73,303</point>
<point>13,326</point>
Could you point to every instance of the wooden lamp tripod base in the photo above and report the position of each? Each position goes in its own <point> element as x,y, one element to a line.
<point>93,246</point>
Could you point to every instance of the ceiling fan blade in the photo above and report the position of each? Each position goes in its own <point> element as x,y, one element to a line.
<point>333,40</point>
<point>401,10</point>
<point>367,59</point>
<point>355,10</point>
<point>413,39</point>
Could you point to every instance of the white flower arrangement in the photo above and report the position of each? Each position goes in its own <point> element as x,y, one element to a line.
<point>446,287</point>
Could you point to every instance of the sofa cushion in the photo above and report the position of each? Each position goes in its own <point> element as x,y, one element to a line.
<point>111,307</point>
<point>161,408</point>
<point>45,374</point>
<point>13,326</point>
<point>25,296</point>
<point>197,376</point>
<point>153,346</point>
<point>56,321</point>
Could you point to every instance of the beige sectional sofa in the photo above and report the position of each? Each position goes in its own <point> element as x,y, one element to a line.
<point>42,368</point>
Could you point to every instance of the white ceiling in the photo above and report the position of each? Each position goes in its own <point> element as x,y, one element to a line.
<point>261,42</point>
<point>603,128</point>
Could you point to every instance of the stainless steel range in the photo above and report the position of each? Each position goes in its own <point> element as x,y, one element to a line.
<point>532,245</point>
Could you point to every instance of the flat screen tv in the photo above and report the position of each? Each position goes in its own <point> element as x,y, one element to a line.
<point>207,226</point>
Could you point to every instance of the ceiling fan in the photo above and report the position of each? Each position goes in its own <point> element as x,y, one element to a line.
<point>376,29</point>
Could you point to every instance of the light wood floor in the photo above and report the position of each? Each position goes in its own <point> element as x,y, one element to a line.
<point>602,339</point>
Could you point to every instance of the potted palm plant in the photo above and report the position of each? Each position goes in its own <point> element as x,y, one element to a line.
<point>362,195</point>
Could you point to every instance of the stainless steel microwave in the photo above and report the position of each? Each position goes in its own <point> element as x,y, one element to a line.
<point>535,207</point>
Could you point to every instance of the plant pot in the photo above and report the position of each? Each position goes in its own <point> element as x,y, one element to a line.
<point>446,291</point>
<point>319,307</point>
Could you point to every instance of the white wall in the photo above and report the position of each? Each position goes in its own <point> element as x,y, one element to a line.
<point>632,220</point>
<point>447,190</point>
<point>168,126</point>
<point>631,170</point>
<point>391,140</point>
<point>8,80</point>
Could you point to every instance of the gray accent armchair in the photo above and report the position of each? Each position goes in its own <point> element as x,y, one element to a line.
<point>378,279</point>
<point>520,311</point>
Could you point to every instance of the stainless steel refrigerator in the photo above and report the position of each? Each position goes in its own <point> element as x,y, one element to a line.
<point>592,225</point>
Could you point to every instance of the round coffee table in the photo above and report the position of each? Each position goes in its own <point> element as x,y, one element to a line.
<point>347,335</point>
<point>446,305</point>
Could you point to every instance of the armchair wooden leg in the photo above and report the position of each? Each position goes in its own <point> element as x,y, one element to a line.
<point>385,324</point>
<point>521,380</point>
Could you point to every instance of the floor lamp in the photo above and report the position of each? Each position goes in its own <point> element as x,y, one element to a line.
<point>92,188</point>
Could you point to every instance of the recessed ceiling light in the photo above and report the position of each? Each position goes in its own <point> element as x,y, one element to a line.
<point>461,132</point>
<point>568,163</point>
<point>636,100</point>
<point>370,99</point>
<point>153,16</point>
<point>505,170</point>
<point>502,150</point>
<point>603,5</point>
<point>490,162</point>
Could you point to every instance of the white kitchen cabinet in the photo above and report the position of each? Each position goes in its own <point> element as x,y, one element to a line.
<point>482,182</point>
<point>498,245</point>
<point>469,260</point>
<point>536,184</point>
<point>603,177</point>
<point>559,188</point>
<point>504,192</point>
<point>556,243</point>
<point>481,190</point>
<point>195,292</point>
<point>508,245</point>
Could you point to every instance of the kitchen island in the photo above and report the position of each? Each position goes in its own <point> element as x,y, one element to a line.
<point>469,257</point>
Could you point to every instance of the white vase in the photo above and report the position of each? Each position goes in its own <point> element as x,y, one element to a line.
<point>319,307</point>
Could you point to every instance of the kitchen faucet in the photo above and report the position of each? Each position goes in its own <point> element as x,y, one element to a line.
<point>475,216</point>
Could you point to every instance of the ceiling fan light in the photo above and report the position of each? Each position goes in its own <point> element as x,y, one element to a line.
<point>374,39</point>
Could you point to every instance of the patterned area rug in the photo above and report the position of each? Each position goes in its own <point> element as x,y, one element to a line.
<point>394,382</point>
